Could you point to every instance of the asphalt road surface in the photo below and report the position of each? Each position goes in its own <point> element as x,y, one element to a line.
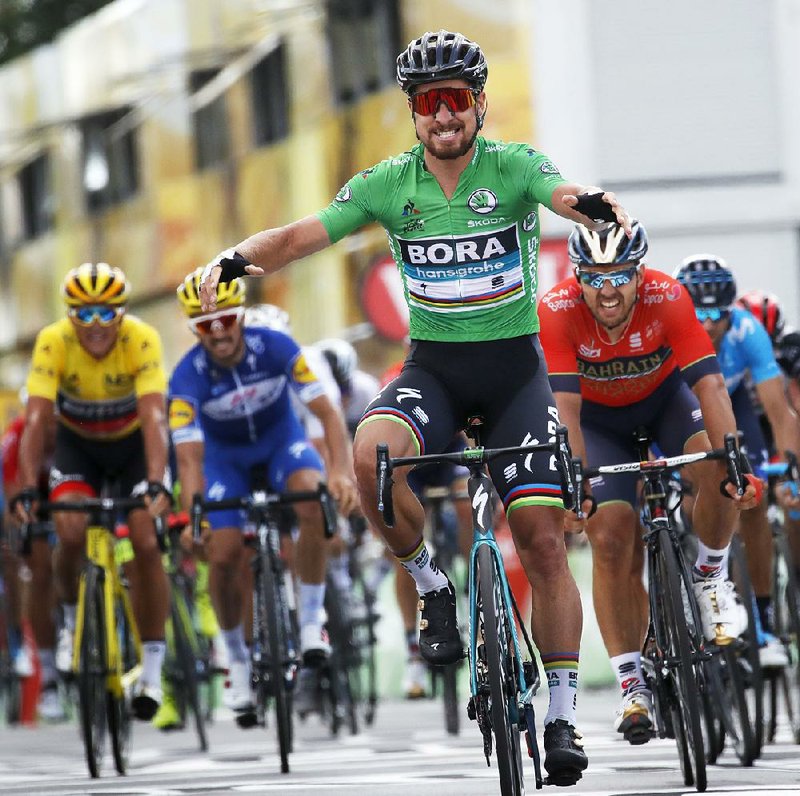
<point>406,752</point>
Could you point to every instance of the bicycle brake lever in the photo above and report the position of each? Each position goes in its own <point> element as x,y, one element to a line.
<point>383,472</point>
<point>330,518</point>
<point>734,463</point>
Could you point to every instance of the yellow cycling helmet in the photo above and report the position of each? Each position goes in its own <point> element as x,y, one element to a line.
<point>95,283</point>
<point>229,294</point>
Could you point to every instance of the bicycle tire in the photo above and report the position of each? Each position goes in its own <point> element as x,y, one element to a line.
<point>119,717</point>
<point>10,686</point>
<point>92,671</point>
<point>450,698</point>
<point>271,604</point>
<point>743,667</point>
<point>188,685</point>
<point>786,605</point>
<point>343,660</point>
<point>685,709</point>
<point>494,622</point>
<point>707,672</point>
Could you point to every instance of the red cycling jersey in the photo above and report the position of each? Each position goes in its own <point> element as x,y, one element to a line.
<point>664,339</point>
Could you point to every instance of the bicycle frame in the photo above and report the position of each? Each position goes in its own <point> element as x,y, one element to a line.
<point>482,500</point>
<point>100,553</point>
<point>520,713</point>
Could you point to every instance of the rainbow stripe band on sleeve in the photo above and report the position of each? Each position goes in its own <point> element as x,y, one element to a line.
<point>533,495</point>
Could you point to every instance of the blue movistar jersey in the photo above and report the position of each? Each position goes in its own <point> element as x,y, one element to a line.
<point>243,404</point>
<point>746,348</point>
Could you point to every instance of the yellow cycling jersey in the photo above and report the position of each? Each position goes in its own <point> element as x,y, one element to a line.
<point>96,398</point>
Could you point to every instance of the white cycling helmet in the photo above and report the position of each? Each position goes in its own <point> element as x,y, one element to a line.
<point>269,315</point>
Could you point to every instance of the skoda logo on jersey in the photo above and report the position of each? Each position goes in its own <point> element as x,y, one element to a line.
<point>529,222</point>
<point>548,167</point>
<point>344,194</point>
<point>482,201</point>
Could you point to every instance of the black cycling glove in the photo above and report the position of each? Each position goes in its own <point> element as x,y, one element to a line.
<point>593,206</point>
<point>233,266</point>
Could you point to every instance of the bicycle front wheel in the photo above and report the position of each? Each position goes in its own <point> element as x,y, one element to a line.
<point>271,605</point>
<point>119,716</point>
<point>186,656</point>
<point>92,670</point>
<point>786,605</point>
<point>495,623</point>
<point>673,636</point>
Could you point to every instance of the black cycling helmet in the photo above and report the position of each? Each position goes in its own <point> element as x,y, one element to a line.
<point>608,245</point>
<point>709,281</point>
<point>441,56</point>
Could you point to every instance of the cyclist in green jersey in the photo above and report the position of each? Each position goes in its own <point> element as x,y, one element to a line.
<point>462,217</point>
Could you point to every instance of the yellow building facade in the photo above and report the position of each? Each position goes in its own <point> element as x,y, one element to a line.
<point>158,132</point>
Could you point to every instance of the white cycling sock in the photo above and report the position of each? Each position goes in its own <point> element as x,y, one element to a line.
<point>339,568</point>
<point>419,564</point>
<point>628,669</point>
<point>152,660</point>
<point>235,644</point>
<point>311,600</point>
<point>70,612</point>
<point>710,563</point>
<point>47,660</point>
<point>562,679</point>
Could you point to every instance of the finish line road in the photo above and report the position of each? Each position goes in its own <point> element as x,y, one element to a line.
<point>405,752</point>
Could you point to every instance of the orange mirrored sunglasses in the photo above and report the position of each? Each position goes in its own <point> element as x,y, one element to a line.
<point>427,102</point>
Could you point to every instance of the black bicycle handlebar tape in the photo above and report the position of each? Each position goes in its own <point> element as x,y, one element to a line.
<point>736,468</point>
<point>593,206</point>
<point>383,474</point>
<point>566,471</point>
<point>329,517</point>
<point>233,267</point>
<point>161,532</point>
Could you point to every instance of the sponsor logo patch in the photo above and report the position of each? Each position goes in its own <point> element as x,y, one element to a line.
<point>482,201</point>
<point>181,413</point>
<point>301,373</point>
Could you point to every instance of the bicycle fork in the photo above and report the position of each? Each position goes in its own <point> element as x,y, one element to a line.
<point>526,674</point>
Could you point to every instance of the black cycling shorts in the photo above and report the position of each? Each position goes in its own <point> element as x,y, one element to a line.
<point>672,416</point>
<point>86,465</point>
<point>442,385</point>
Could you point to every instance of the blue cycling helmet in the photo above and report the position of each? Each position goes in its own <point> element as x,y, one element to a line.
<point>709,281</point>
<point>441,55</point>
<point>608,245</point>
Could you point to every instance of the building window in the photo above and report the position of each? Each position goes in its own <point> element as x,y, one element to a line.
<point>364,40</point>
<point>212,145</point>
<point>270,97</point>
<point>110,158</point>
<point>36,197</point>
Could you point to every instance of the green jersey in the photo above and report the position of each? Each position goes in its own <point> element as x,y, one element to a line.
<point>468,265</point>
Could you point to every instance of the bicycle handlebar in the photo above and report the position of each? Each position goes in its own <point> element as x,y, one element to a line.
<point>789,468</point>
<point>734,460</point>
<point>97,507</point>
<point>251,503</point>
<point>474,458</point>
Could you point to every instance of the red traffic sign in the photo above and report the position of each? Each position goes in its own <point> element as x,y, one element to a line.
<point>383,299</point>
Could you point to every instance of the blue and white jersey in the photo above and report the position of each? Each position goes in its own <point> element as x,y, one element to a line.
<point>244,403</point>
<point>746,348</point>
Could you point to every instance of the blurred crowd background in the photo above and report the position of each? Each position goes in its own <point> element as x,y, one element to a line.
<point>153,133</point>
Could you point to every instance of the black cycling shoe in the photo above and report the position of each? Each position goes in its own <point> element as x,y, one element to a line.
<point>564,759</point>
<point>439,638</point>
